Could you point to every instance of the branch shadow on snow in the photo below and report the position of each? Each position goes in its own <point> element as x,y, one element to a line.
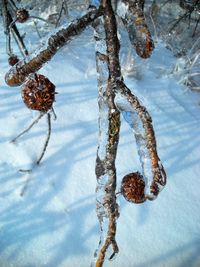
<point>191,250</point>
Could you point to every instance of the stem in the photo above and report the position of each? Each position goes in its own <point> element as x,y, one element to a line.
<point>29,127</point>
<point>36,17</point>
<point>6,21</point>
<point>17,36</point>
<point>47,139</point>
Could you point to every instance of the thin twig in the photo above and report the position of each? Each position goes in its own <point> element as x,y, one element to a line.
<point>17,36</point>
<point>12,4</point>
<point>36,27</point>
<point>27,129</point>
<point>6,21</point>
<point>60,13</point>
<point>47,139</point>
<point>38,18</point>
<point>195,28</point>
<point>42,154</point>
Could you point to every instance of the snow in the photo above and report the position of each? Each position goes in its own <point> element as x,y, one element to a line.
<point>54,223</point>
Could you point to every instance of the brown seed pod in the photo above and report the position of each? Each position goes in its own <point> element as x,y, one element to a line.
<point>38,93</point>
<point>132,188</point>
<point>12,60</point>
<point>22,15</point>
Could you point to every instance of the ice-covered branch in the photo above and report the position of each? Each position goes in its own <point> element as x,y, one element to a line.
<point>17,74</point>
<point>115,98</point>
<point>140,121</point>
<point>132,15</point>
<point>109,126</point>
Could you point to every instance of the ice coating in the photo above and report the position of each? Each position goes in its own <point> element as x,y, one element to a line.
<point>122,9</point>
<point>17,74</point>
<point>140,122</point>
<point>133,18</point>
<point>106,206</point>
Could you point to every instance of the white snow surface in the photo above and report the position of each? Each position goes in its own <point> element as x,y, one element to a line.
<point>54,223</point>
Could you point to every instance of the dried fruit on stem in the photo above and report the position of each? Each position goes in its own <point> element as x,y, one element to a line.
<point>22,69</point>
<point>12,60</point>
<point>38,93</point>
<point>22,15</point>
<point>133,188</point>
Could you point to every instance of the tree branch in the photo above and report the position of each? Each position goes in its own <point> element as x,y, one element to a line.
<point>134,21</point>
<point>22,69</point>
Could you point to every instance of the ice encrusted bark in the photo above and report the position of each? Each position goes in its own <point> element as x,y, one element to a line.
<point>17,74</point>
<point>115,98</point>
<point>132,15</point>
<point>109,126</point>
<point>140,122</point>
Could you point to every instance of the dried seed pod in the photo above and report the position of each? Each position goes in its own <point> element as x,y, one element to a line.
<point>12,60</point>
<point>22,15</point>
<point>38,93</point>
<point>132,188</point>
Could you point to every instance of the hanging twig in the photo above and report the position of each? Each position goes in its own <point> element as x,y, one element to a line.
<point>37,30</point>
<point>196,25</point>
<point>6,20</point>
<point>60,13</point>
<point>47,139</point>
<point>29,127</point>
<point>44,148</point>
<point>21,70</point>
<point>18,38</point>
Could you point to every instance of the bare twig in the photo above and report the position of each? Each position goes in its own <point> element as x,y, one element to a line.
<point>185,15</point>
<point>29,127</point>
<point>6,20</point>
<point>43,150</point>
<point>47,139</point>
<point>63,6</point>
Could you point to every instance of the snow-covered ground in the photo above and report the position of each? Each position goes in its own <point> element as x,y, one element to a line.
<point>54,223</point>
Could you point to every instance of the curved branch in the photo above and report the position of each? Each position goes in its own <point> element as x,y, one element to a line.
<point>154,172</point>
